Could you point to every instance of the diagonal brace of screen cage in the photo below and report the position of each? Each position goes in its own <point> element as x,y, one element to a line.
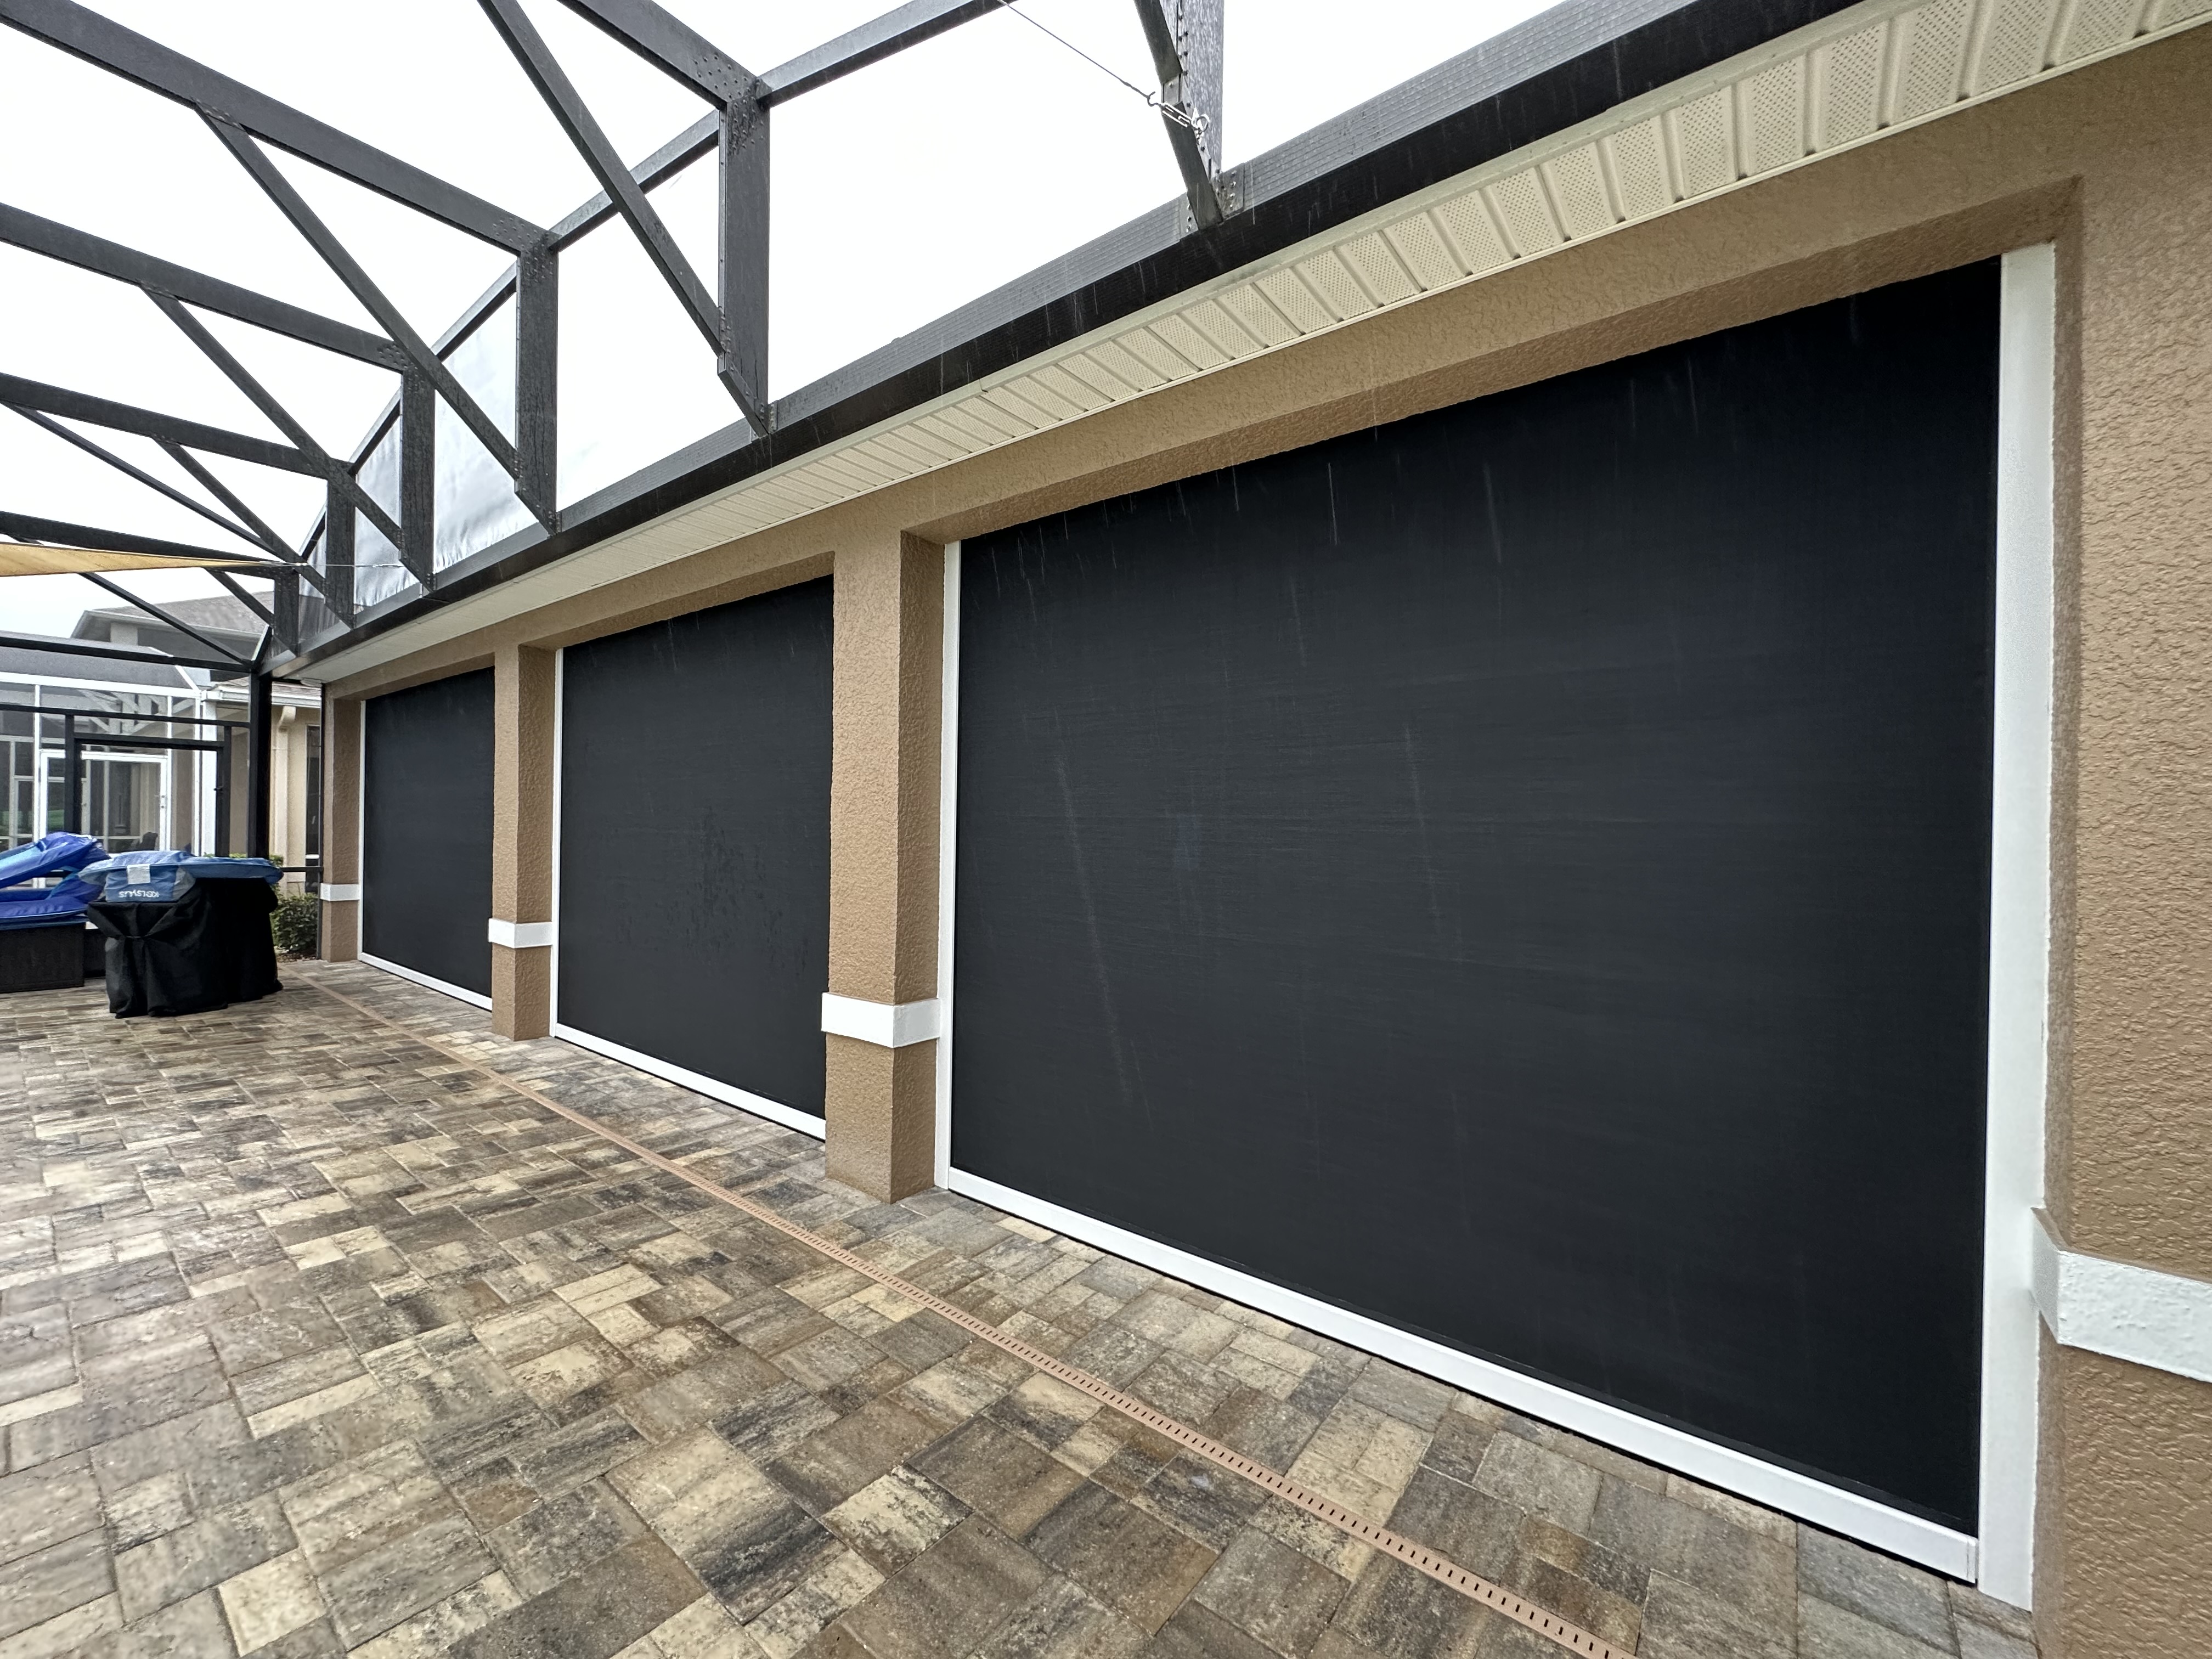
<point>733,317</point>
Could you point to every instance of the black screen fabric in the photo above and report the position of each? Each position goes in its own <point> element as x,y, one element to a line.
<point>695,841</point>
<point>1522,872</point>
<point>425,830</point>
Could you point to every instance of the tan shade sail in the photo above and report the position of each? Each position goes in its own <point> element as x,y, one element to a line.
<point>24,559</point>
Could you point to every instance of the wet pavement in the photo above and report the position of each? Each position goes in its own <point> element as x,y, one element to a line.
<point>315,1341</point>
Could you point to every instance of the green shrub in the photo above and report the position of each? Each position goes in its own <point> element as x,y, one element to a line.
<point>297,924</point>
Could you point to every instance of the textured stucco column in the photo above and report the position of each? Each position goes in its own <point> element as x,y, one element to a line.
<point>522,836</point>
<point>881,1106</point>
<point>2125,1568</point>
<point>341,929</point>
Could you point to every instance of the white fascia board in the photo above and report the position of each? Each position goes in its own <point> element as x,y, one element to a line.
<point>2143,1315</point>
<point>887,1024</point>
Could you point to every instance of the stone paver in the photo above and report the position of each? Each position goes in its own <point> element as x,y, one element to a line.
<point>315,1342</point>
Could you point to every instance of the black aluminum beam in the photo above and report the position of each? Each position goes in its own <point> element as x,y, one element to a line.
<point>698,139</point>
<point>110,715</point>
<point>73,776</point>
<point>111,458</point>
<point>742,241</point>
<point>94,746</point>
<point>291,574</point>
<point>162,616</point>
<point>537,380</point>
<point>113,652</point>
<point>1564,66</point>
<point>19,394</point>
<point>230,498</point>
<point>418,478</point>
<point>27,527</point>
<point>672,46</point>
<point>295,560</point>
<point>294,206</point>
<point>87,34</point>
<point>259,532</point>
<point>704,69</point>
<point>576,118</point>
<point>126,264</point>
<point>279,416</point>
<point>284,621</point>
<point>870,43</point>
<point>1185,38</point>
<point>259,724</point>
<point>338,558</point>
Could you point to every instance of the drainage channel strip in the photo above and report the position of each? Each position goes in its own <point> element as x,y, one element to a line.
<point>1444,1571</point>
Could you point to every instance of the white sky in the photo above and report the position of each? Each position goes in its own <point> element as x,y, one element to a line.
<point>898,193</point>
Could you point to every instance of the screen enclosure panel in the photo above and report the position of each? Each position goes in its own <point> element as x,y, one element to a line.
<point>426,829</point>
<point>695,841</point>
<point>1522,873</point>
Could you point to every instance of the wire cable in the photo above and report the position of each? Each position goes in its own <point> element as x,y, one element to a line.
<point>1174,112</point>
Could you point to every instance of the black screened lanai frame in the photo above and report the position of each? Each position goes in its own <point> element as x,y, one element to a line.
<point>733,317</point>
<point>259,721</point>
<point>1561,67</point>
<point>78,746</point>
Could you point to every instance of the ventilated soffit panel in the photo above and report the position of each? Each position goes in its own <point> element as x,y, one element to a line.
<point>1854,78</point>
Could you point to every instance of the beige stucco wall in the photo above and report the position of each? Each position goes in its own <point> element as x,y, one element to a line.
<point>341,930</point>
<point>288,789</point>
<point>888,678</point>
<point>288,783</point>
<point>2114,163</point>
<point>522,834</point>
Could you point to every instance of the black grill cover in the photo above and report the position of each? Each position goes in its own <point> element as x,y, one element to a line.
<point>206,949</point>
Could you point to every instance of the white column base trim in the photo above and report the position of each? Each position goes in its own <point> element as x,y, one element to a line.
<point>887,1024</point>
<point>454,991</point>
<point>698,1083</point>
<point>520,935</point>
<point>340,892</point>
<point>1947,1551</point>
<point>2143,1315</point>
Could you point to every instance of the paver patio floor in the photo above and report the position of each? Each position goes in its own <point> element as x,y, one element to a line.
<point>312,1342</point>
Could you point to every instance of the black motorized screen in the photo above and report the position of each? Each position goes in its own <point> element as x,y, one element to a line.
<point>1522,873</point>
<point>425,830</point>
<point>695,841</point>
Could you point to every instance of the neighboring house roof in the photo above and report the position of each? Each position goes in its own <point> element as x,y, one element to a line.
<point>61,666</point>
<point>228,619</point>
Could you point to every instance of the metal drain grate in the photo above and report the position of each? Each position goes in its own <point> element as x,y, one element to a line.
<point>1498,1599</point>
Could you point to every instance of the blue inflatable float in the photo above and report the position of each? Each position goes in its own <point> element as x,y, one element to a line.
<point>43,929</point>
<point>22,906</point>
<point>165,878</point>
